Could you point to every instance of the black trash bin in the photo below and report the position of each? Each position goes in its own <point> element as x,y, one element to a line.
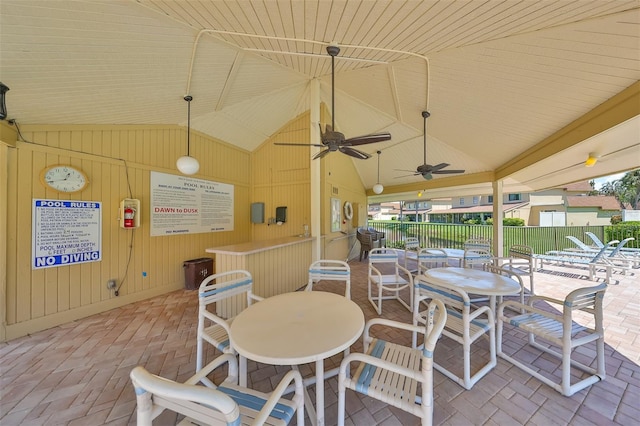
<point>195,271</point>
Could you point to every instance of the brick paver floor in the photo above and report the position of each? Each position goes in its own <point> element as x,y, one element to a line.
<point>78,373</point>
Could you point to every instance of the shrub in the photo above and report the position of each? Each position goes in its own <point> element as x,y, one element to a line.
<point>513,221</point>
<point>624,230</point>
<point>616,219</point>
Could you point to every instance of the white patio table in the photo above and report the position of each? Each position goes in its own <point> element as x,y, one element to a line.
<point>474,281</point>
<point>457,254</point>
<point>298,328</point>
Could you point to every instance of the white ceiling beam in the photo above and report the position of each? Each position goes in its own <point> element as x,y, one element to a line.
<point>231,78</point>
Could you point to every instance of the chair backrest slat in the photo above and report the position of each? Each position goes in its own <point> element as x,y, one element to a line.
<point>330,270</point>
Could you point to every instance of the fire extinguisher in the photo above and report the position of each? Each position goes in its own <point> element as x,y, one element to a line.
<point>129,213</point>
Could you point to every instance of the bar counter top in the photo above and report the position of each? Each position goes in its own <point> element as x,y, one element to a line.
<point>257,246</point>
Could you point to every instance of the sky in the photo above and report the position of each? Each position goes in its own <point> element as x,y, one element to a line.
<point>601,181</point>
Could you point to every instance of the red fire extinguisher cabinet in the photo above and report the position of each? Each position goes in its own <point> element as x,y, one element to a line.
<point>195,271</point>
<point>129,207</point>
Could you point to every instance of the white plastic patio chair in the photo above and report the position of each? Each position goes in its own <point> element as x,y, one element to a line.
<point>393,373</point>
<point>477,257</point>
<point>476,243</point>
<point>519,262</point>
<point>411,249</point>
<point>387,278</point>
<point>226,404</point>
<point>431,258</point>
<point>230,292</point>
<point>464,325</point>
<point>330,270</point>
<point>563,331</point>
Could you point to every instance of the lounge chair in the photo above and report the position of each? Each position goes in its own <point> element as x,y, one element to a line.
<point>627,252</point>
<point>616,255</point>
<point>580,245</point>
<point>599,259</point>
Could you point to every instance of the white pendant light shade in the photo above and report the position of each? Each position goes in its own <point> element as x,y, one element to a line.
<point>187,165</point>
<point>378,188</point>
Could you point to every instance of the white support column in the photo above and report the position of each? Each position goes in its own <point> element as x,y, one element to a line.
<point>314,137</point>
<point>498,234</point>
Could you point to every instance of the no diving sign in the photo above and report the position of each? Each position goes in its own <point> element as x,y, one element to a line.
<point>66,232</point>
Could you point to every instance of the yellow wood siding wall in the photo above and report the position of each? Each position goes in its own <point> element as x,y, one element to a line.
<point>276,271</point>
<point>281,177</point>
<point>118,161</point>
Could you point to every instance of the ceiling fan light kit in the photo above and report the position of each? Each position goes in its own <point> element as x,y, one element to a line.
<point>186,164</point>
<point>332,140</point>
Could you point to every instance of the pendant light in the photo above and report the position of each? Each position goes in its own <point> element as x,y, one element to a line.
<point>186,164</point>
<point>378,188</point>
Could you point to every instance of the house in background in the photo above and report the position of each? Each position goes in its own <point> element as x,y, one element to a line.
<point>565,205</point>
<point>408,210</point>
<point>571,205</point>
<point>598,210</point>
<point>480,208</point>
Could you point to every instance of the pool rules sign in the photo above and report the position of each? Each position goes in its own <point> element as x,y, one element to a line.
<point>66,232</point>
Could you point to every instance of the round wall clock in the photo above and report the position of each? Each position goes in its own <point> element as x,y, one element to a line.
<point>64,178</point>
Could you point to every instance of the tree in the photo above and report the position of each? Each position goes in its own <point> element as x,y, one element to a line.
<point>626,190</point>
<point>630,189</point>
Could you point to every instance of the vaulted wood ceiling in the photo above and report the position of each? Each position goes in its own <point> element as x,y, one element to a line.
<point>520,90</point>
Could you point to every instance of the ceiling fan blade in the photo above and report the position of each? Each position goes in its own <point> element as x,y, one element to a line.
<point>361,140</point>
<point>354,153</point>
<point>447,172</point>
<point>439,166</point>
<point>404,176</point>
<point>321,154</point>
<point>299,144</point>
<point>409,171</point>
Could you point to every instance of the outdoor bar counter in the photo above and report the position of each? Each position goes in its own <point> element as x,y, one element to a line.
<point>277,266</point>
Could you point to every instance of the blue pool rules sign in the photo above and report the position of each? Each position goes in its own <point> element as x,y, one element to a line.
<point>66,232</point>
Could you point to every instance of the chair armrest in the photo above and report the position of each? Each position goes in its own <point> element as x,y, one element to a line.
<point>392,324</point>
<point>518,307</point>
<point>375,271</point>
<point>386,365</point>
<point>214,318</point>
<point>207,369</point>
<point>278,392</point>
<point>256,297</point>
<point>406,271</point>
<point>481,310</point>
<point>545,299</point>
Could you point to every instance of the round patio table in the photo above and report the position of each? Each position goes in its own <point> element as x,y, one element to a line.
<point>475,281</point>
<point>297,328</point>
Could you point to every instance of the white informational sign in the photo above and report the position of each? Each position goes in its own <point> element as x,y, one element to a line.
<point>184,205</point>
<point>66,232</point>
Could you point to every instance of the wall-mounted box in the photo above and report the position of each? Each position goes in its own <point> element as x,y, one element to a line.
<point>281,214</point>
<point>257,212</point>
<point>129,213</point>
